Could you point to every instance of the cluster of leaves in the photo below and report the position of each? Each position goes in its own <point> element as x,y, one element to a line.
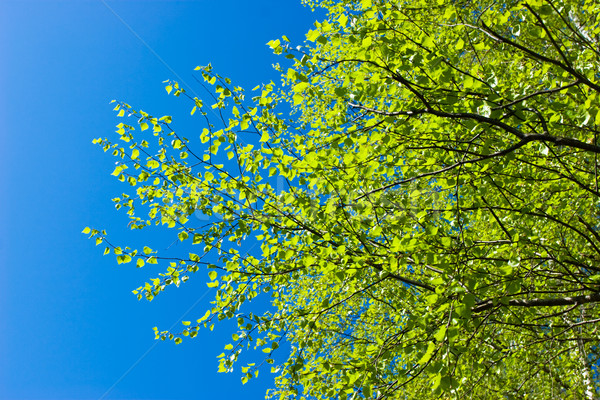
<point>426,216</point>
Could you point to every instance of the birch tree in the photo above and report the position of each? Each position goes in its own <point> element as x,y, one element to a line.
<point>422,186</point>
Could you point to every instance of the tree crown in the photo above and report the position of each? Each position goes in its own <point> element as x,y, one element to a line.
<point>425,219</point>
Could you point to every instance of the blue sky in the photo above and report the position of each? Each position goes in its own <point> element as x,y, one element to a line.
<point>70,328</point>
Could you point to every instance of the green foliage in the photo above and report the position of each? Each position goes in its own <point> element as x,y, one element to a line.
<point>427,216</point>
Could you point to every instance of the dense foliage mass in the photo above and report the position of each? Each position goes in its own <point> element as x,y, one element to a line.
<point>425,220</point>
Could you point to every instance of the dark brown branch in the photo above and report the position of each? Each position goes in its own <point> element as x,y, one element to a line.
<point>498,220</point>
<point>402,279</point>
<point>538,93</point>
<point>556,302</point>
<point>545,137</point>
<point>445,169</point>
<point>541,21</point>
<point>444,114</point>
<point>543,58</point>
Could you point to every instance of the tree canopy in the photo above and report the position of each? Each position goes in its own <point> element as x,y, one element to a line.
<point>417,199</point>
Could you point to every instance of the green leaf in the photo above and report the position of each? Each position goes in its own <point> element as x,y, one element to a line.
<point>427,355</point>
<point>440,334</point>
<point>311,36</point>
<point>182,235</point>
<point>205,317</point>
<point>274,44</point>
<point>300,87</point>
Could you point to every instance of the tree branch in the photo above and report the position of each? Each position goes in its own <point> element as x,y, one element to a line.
<point>545,137</point>
<point>543,58</point>
<point>562,301</point>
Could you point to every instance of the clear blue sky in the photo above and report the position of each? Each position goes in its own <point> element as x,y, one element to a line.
<point>70,328</point>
